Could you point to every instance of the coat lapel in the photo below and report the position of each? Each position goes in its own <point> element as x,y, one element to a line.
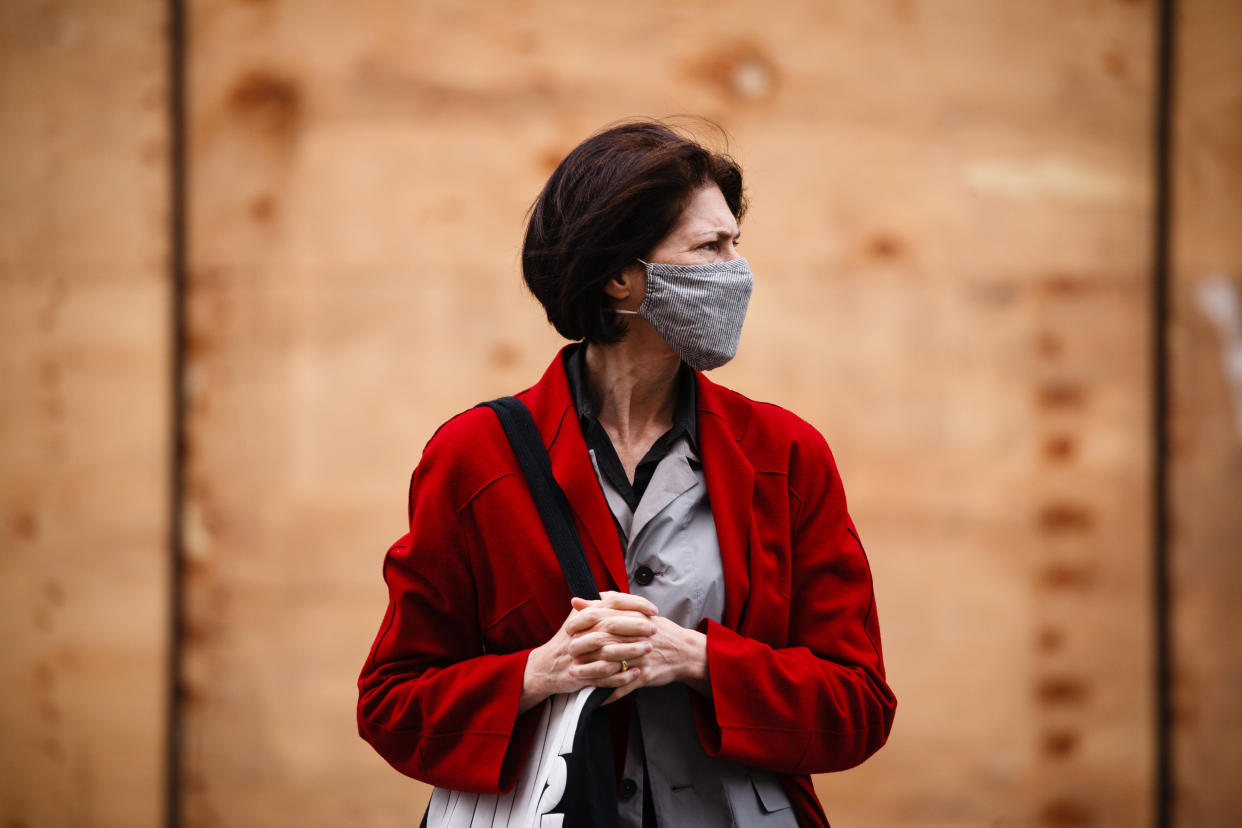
<point>552,407</point>
<point>730,489</point>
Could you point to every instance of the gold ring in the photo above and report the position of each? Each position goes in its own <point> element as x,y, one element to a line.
<point>625,665</point>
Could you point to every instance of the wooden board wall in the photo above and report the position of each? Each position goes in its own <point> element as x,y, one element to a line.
<point>84,437</point>
<point>1205,463</point>
<point>981,303</point>
<point>951,214</point>
<point>951,223</point>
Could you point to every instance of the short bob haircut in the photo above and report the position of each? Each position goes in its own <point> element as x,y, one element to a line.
<point>609,203</point>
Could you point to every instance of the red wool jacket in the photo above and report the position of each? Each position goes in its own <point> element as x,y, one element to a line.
<point>796,672</point>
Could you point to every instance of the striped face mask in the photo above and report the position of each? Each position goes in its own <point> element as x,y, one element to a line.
<point>698,309</point>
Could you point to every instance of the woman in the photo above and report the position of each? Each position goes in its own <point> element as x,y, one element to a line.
<point>736,621</point>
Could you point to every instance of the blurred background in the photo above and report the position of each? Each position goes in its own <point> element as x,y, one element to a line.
<point>252,253</point>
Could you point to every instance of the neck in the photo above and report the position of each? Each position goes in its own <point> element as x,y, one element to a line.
<point>633,388</point>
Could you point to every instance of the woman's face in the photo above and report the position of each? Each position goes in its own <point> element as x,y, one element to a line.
<point>705,233</point>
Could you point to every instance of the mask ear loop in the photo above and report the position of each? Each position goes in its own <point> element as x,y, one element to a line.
<point>628,312</point>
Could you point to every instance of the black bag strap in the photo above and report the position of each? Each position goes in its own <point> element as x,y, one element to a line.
<point>553,506</point>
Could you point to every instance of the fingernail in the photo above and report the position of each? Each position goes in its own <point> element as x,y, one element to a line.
<point>652,630</point>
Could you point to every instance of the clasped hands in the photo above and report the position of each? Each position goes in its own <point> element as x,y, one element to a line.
<point>618,641</point>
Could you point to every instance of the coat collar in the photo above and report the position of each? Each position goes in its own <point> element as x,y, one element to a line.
<point>552,408</point>
<point>723,418</point>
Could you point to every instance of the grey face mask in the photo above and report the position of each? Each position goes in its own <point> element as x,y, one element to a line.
<point>698,309</point>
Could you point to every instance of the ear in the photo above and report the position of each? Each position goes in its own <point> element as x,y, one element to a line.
<point>629,281</point>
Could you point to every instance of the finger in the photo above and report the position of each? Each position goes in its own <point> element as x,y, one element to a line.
<point>627,661</point>
<point>590,642</point>
<point>625,689</point>
<point>587,643</point>
<point>617,622</point>
<point>602,673</point>
<point>624,652</point>
<point>616,653</point>
<point>628,601</point>
<point>581,620</point>
<point>628,625</point>
<point>610,632</point>
<point>623,678</point>
<point>595,639</point>
<point>617,600</point>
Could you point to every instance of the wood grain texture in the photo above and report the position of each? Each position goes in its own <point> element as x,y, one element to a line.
<point>84,440</point>
<point>950,231</point>
<point>1205,463</point>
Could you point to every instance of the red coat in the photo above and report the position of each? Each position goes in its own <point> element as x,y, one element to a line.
<point>797,676</point>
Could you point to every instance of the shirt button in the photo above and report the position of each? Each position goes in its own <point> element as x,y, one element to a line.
<point>644,575</point>
<point>628,788</point>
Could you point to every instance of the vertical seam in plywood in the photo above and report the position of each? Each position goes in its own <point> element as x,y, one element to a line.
<point>177,276</point>
<point>1162,213</point>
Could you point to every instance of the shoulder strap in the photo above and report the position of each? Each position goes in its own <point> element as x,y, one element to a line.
<point>549,499</point>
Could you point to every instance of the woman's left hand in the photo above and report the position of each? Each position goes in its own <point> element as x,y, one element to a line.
<point>677,654</point>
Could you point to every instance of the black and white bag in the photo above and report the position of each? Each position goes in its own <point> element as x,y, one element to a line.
<point>568,780</point>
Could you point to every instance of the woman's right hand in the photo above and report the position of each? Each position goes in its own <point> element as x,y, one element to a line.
<point>589,648</point>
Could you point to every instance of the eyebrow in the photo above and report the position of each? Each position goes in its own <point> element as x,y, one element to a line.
<point>719,233</point>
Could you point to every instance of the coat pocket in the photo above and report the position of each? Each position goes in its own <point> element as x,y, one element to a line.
<point>757,798</point>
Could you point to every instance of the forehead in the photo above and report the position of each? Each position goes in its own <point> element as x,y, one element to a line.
<point>706,210</point>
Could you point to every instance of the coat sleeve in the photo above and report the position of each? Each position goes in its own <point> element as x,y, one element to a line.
<point>821,703</point>
<point>431,701</point>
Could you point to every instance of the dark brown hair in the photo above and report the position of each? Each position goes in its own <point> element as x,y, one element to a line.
<point>606,205</point>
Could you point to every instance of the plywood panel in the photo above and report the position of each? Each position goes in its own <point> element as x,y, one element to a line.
<point>1205,465</point>
<point>84,418</point>
<point>950,219</point>
<point>974,259</point>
